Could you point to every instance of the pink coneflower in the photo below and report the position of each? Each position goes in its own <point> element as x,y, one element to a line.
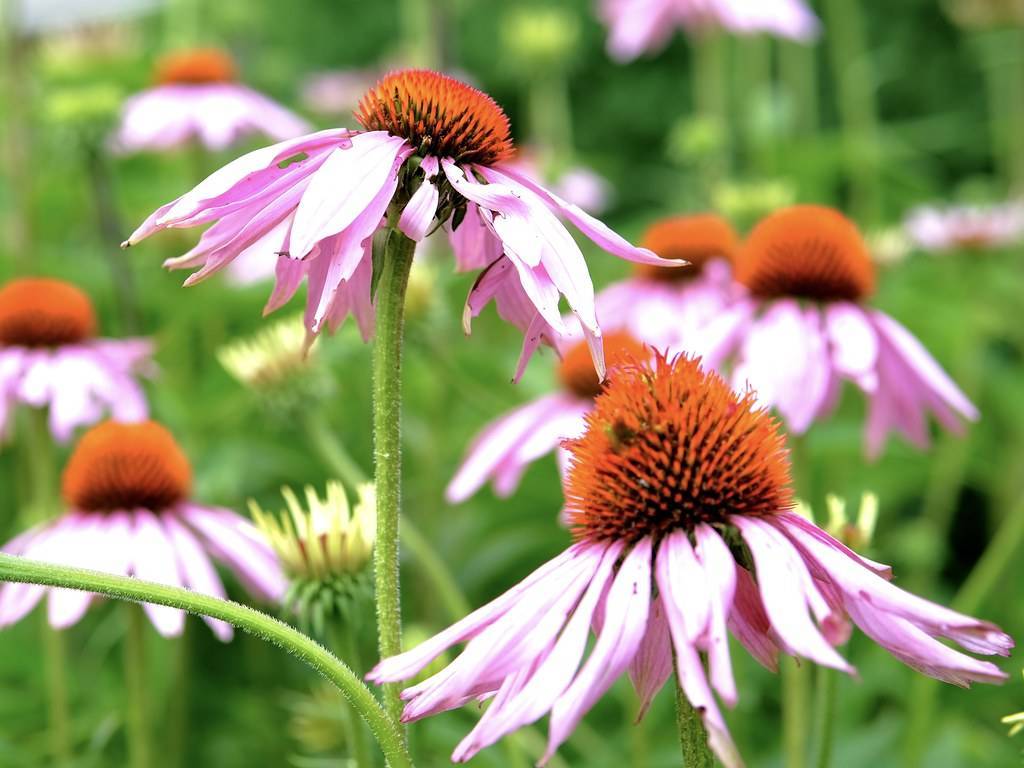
<point>678,495</point>
<point>805,327</point>
<point>642,26</point>
<point>510,443</point>
<point>434,151</point>
<point>670,308</point>
<point>128,512</point>
<point>50,358</point>
<point>197,98</point>
<point>974,228</point>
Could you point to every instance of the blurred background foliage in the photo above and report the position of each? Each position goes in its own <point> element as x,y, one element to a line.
<point>896,105</point>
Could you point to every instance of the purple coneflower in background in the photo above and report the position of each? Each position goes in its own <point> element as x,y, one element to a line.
<point>509,444</point>
<point>805,327</point>
<point>128,513</point>
<point>642,26</point>
<point>50,358</point>
<point>674,482</point>
<point>434,151</point>
<point>197,98</point>
<point>973,227</point>
<point>669,308</point>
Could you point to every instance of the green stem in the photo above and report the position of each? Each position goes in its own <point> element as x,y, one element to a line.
<point>854,80</point>
<point>693,739</point>
<point>41,469</point>
<point>433,566</point>
<point>136,721</point>
<point>333,452</point>
<point>178,730</point>
<point>311,653</point>
<point>988,573</point>
<point>711,105</point>
<point>16,85</point>
<point>387,448</point>
<point>795,711</point>
<point>347,643</point>
<point>551,119</point>
<point>56,680</point>
<point>799,73</point>
<point>826,682</point>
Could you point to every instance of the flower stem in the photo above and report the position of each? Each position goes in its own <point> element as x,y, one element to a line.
<point>387,733</point>
<point>56,680</point>
<point>826,682</point>
<point>137,722</point>
<point>347,643</point>
<point>41,470</point>
<point>430,562</point>
<point>854,85</point>
<point>693,739</point>
<point>387,448</point>
<point>795,711</point>
<point>987,574</point>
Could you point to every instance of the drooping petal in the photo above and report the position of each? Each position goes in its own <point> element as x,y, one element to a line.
<point>625,622</point>
<point>422,206</point>
<point>344,186</point>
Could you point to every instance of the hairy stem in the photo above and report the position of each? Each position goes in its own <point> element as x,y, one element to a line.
<point>795,711</point>
<point>247,619</point>
<point>693,739</point>
<point>387,448</point>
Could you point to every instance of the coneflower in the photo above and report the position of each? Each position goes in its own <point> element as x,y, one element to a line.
<point>679,498</point>
<point>50,357</point>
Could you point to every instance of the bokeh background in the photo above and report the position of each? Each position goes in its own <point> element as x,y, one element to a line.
<point>896,105</point>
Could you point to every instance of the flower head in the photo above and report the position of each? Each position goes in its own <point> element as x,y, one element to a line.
<point>696,239</point>
<point>127,488</point>
<point>642,26</point>
<point>805,326</point>
<point>678,495</point>
<point>324,547</point>
<point>51,358</point>
<point>325,537</point>
<point>196,98</point>
<point>434,153</point>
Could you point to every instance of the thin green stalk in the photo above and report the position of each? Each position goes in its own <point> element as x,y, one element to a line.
<point>799,73</point>
<point>333,451</point>
<point>307,650</point>
<point>178,730</point>
<point>56,681</point>
<point>387,448</point>
<point>988,574</point>
<point>710,103</point>
<point>421,29</point>
<point>433,566</point>
<point>41,469</point>
<point>16,85</point>
<point>551,118</point>
<point>853,75</point>
<point>693,739</point>
<point>347,643</point>
<point>754,84</point>
<point>826,683</point>
<point>796,700</point>
<point>136,720</point>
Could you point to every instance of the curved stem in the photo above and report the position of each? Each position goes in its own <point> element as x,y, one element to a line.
<point>333,451</point>
<point>247,619</point>
<point>693,739</point>
<point>387,448</point>
<point>137,723</point>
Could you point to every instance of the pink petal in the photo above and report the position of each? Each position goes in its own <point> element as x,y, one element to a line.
<point>154,560</point>
<point>197,570</point>
<point>720,573</point>
<point>625,621</point>
<point>344,186</point>
<point>420,210</point>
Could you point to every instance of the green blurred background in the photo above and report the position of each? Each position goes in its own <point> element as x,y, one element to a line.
<point>896,105</point>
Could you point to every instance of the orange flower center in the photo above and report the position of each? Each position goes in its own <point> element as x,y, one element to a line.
<point>668,446</point>
<point>807,251</point>
<point>40,312</point>
<point>196,67</point>
<point>439,116</point>
<point>577,373</point>
<point>697,239</point>
<point>126,466</point>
